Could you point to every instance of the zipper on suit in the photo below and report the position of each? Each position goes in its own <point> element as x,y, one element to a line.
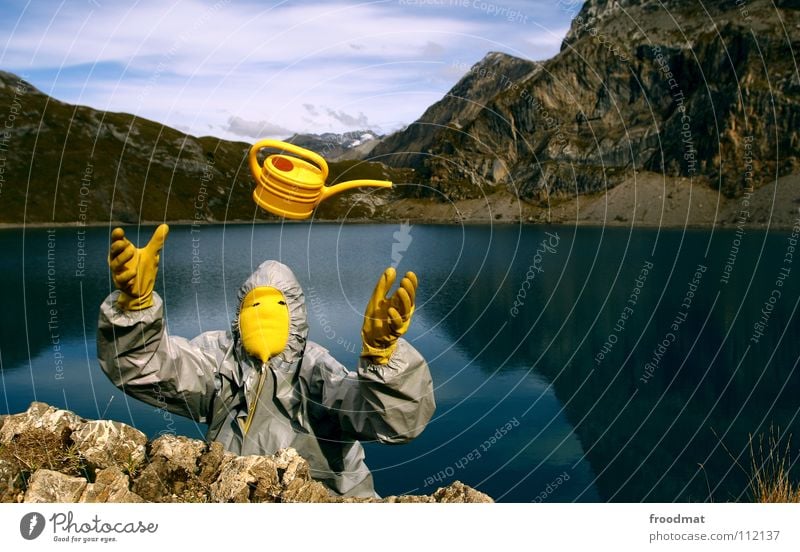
<point>254,403</point>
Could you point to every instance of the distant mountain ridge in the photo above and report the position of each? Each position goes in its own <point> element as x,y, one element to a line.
<point>333,146</point>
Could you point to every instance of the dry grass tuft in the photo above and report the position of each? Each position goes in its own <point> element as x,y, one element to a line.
<point>770,462</point>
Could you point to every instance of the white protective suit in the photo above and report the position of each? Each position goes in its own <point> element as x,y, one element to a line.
<point>301,398</point>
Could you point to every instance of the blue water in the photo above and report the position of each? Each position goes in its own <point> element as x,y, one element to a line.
<point>534,400</point>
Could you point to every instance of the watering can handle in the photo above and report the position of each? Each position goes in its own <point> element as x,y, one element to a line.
<point>290,148</point>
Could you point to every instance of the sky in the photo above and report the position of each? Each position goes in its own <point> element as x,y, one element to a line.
<point>244,70</point>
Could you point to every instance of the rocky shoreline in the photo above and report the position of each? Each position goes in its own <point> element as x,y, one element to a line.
<point>644,200</point>
<point>53,455</point>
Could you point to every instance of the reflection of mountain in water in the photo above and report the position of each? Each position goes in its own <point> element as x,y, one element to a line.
<point>43,294</point>
<point>645,441</point>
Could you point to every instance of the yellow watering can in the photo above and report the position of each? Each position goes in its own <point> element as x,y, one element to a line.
<point>291,186</point>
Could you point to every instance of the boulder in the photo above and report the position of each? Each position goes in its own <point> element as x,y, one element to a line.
<point>295,478</point>
<point>171,474</point>
<point>52,486</point>
<point>300,490</point>
<point>153,482</point>
<point>39,416</point>
<point>291,466</point>
<point>243,476</point>
<point>211,461</point>
<point>110,485</point>
<point>458,492</point>
<point>104,443</point>
<point>181,452</point>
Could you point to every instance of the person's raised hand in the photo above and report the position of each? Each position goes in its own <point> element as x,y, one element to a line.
<point>387,318</point>
<point>134,269</point>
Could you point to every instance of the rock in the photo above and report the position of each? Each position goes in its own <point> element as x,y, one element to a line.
<point>409,499</point>
<point>291,466</point>
<point>305,491</point>
<point>39,416</point>
<point>10,480</point>
<point>284,477</point>
<point>111,485</point>
<point>181,452</point>
<point>211,461</point>
<point>104,443</point>
<point>295,478</point>
<point>455,492</point>
<point>352,500</point>
<point>56,452</point>
<point>244,475</point>
<point>51,486</point>
<point>154,481</point>
<point>163,481</point>
<point>458,492</point>
<point>171,474</point>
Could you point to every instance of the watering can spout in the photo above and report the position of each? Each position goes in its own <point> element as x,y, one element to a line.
<point>329,191</point>
<point>293,186</point>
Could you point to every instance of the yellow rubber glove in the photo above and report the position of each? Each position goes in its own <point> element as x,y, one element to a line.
<point>134,269</point>
<point>387,318</point>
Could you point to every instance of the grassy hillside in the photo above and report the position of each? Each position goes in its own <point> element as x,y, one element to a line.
<point>64,163</point>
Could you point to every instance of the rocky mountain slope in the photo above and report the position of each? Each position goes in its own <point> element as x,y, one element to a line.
<point>639,84</point>
<point>466,102</point>
<point>53,455</point>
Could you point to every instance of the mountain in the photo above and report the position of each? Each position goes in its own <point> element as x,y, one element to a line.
<point>458,111</point>
<point>62,163</point>
<point>642,85</point>
<point>332,146</point>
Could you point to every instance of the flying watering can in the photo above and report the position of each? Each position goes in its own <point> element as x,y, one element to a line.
<point>292,187</point>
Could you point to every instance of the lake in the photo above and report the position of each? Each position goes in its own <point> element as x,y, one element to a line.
<point>570,364</point>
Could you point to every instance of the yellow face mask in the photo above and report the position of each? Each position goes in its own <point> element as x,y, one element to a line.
<point>264,322</point>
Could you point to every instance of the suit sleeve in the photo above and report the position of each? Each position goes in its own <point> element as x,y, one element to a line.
<point>390,403</point>
<point>139,357</point>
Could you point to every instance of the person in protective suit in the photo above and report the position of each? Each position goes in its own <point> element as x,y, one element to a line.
<point>262,385</point>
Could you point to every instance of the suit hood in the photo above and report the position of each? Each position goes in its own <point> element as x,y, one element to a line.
<point>280,277</point>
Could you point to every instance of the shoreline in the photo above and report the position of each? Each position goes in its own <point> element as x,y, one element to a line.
<point>722,225</point>
<point>645,200</point>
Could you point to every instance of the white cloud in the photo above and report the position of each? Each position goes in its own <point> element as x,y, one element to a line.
<point>255,129</point>
<point>433,50</point>
<point>359,121</point>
